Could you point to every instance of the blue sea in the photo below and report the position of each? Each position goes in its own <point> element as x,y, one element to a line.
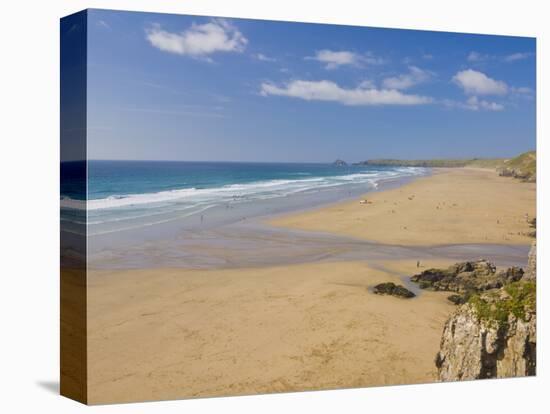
<point>128,194</point>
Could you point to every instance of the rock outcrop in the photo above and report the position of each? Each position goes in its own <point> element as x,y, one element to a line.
<point>458,299</point>
<point>523,167</point>
<point>466,279</point>
<point>531,271</point>
<point>518,174</point>
<point>392,289</point>
<point>491,336</point>
<point>339,163</point>
<point>533,225</point>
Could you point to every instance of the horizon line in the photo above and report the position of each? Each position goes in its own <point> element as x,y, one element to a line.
<point>302,162</point>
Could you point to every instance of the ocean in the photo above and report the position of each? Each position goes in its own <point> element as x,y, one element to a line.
<point>129,194</point>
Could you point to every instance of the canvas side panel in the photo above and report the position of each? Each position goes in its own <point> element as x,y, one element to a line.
<point>73,370</point>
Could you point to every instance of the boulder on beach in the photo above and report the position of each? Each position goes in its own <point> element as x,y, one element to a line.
<point>390,288</point>
<point>467,277</point>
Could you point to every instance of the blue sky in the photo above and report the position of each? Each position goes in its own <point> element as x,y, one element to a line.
<point>197,88</point>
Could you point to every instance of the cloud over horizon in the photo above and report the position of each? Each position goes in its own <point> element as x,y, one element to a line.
<point>216,35</point>
<point>329,91</point>
<point>190,87</point>
<point>199,40</point>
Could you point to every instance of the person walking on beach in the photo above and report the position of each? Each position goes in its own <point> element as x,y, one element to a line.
<point>202,218</point>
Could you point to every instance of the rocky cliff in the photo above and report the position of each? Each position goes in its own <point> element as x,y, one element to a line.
<point>493,335</point>
<point>531,272</point>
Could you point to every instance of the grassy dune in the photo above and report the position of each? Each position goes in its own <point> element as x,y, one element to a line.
<point>439,163</point>
<point>523,166</point>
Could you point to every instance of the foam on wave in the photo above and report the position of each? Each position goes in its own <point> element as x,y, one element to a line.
<point>253,190</point>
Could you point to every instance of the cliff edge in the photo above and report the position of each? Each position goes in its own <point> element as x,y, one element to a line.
<point>493,335</point>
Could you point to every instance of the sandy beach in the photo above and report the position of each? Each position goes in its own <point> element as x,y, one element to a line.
<point>172,333</point>
<point>164,333</point>
<point>459,205</point>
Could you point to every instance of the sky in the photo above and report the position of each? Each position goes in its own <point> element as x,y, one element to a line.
<point>173,87</point>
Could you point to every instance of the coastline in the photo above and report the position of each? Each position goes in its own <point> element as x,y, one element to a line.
<point>220,327</point>
<point>182,202</point>
<point>291,232</point>
<point>126,248</point>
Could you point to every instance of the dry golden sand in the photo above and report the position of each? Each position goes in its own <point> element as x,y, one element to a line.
<point>460,205</point>
<point>173,333</point>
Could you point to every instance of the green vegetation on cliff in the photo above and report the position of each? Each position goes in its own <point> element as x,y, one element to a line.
<point>518,299</point>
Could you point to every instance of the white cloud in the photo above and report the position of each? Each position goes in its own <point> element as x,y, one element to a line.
<point>474,82</point>
<point>475,104</point>
<point>407,80</point>
<point>333,59</point>
<point>522,90</point>
<point>367,84</point>
<point>200,40</point>
<point>264,58</point>
<point>331,92</point>
<point>516,56</point>
<point>477,57</point>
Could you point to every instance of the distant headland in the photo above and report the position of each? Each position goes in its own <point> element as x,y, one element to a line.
<point>522,167</point>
